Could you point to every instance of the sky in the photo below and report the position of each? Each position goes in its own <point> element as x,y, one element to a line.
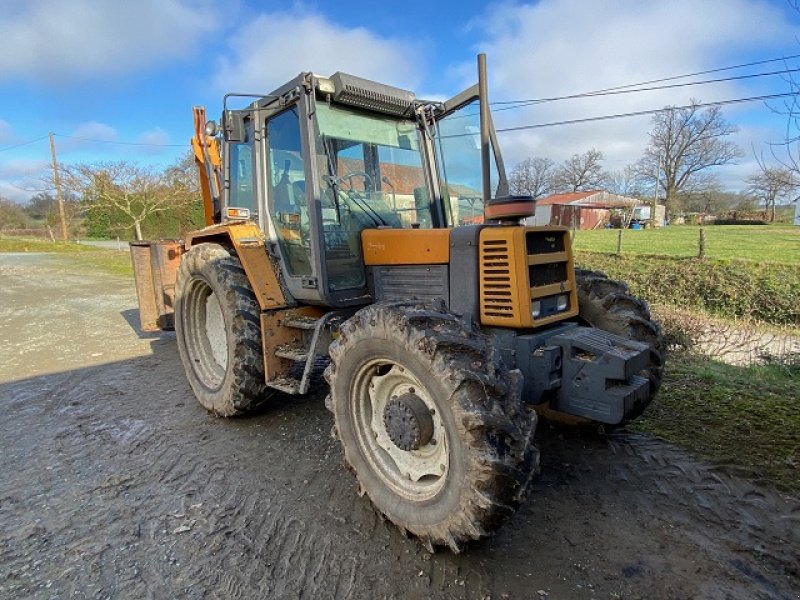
<point>116,80</point>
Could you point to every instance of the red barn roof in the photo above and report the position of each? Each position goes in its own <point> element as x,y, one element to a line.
<point>590,199</point>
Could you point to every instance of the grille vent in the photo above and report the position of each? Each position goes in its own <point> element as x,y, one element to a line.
<point>371,95</point>
<point>497,291</point>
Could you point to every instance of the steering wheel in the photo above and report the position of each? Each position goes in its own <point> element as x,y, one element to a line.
<point>349,178</point>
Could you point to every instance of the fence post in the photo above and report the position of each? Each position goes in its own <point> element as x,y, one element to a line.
<point>701,243</point>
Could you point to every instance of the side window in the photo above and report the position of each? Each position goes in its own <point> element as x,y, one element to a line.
<point>288,206</point>
<point>458,155</point>
<point>240,167</point>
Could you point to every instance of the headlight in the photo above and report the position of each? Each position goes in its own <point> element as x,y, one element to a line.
<point>537,309</point>
<point>562,301</point>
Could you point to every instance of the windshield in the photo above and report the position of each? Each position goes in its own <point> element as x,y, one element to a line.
<point>371,175</point>
<point>458,156</point>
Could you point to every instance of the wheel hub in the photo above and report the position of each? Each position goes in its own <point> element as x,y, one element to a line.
<point>408,422</point>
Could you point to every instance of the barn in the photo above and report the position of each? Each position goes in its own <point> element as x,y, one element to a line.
<point>580,210</point>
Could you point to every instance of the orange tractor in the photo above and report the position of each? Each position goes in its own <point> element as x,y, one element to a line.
<point>342,228</point>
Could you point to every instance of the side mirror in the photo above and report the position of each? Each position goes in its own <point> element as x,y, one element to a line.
<point>233,121</point>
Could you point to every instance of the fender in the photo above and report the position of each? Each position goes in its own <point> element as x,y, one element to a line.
<point>248,241</point>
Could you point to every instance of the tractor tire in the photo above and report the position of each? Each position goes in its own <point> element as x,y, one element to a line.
<point>609,305</point>
<point>219,331</point>
<point>432,424</point>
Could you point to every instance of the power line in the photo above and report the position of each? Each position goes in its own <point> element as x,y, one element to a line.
<point>39,139</point>
<point>645,112</point>
<point>671,78</point>
<point>72,137</point>
<point>521,103</point>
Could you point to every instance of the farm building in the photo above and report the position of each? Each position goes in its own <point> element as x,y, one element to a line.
<point>580,210</point>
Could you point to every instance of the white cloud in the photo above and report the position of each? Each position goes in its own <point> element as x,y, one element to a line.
<point>6,132</point>
<point>52,40</point>
<point>22,168</point>
<point>273,48</point>
<point>156,137</point>
<point>9,191</point>
<point>558,47</point>
<point>92,130</point>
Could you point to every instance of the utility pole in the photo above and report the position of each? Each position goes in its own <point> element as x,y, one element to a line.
<point>57,182</point>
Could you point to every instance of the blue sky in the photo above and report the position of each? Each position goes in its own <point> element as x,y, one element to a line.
<point>129,72</point>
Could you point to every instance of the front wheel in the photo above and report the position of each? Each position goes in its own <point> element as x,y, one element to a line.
<point>219,331</point>
<point>433,428</point>
<point>608,304</point>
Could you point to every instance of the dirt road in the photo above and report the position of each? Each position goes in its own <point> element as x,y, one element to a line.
<point>116,484</point>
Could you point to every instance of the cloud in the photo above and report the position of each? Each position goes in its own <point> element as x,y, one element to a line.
<point>156,137</point>
<point>6,132</point>
<point>9,191</point>
<point>23,168</point>
<point>89,134</point>
<point>559,47</point>
<point>275,47</point>
<point>46,40</point>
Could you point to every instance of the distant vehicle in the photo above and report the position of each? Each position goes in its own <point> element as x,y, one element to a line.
<point>643,214</point>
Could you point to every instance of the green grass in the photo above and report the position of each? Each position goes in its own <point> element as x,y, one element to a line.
<point>30,245</point>
<point>746,417</point>
<point>111,262</point>
<point>774,243</point>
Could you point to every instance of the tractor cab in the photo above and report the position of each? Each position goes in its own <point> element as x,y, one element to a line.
<point>321,159</point>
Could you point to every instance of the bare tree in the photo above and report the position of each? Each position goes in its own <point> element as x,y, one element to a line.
<point>581,172</point>
<point>626,182</point>
<point>532,177</point>
<point>771,185</point>
<point>133,191</point>
<point>684,143</point>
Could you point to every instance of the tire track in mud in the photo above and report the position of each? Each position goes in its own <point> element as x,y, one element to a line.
<point>114,482</point>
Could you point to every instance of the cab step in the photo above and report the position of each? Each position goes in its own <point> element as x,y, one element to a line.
<point>291,352</point>
<point>301,322</point>
<point>288,385</point>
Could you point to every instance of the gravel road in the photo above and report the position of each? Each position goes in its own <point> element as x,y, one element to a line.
<point>116,484</point>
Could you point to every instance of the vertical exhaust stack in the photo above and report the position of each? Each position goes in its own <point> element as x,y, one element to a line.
<point>504,208</point>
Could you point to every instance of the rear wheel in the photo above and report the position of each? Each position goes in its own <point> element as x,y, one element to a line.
<point>219,331</point>
<point>434,429</point>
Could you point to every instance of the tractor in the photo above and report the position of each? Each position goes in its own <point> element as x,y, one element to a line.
<point>355,228</point>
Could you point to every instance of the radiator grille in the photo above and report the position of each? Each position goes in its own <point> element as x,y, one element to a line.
<point>497,289</point>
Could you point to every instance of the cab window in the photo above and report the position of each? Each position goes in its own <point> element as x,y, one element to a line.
<point>288,206</point>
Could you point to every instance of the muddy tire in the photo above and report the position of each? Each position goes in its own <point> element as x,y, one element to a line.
<point>398,370</point>
<point>219,331</point>
<point>608,304</point>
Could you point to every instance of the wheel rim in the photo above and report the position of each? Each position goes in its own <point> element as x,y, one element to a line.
<point>416,474</point>
<point>206,332</point>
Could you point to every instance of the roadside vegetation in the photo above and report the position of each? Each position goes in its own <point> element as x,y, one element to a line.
<point>79,256</point>
<point>734,289</point>
<point>742,417</point>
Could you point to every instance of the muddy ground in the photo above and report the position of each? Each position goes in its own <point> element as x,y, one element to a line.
<point>116,484</point>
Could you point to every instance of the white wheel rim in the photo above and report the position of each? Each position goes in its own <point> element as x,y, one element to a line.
<point>414,474</point>
<point>215,331</point>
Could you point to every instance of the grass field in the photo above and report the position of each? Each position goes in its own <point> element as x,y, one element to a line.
<point>762,243</point>
<point>89,257</point>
